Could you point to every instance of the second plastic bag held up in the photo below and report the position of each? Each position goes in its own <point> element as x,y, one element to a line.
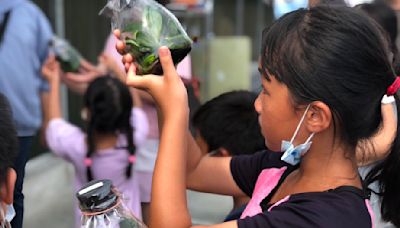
<point>145,26</point>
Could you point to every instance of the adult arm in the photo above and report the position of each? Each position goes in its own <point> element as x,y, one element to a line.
<point>378,146</point>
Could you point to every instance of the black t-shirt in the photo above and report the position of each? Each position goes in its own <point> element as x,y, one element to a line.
<point>344,207</point>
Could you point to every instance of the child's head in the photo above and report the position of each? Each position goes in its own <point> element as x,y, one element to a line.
<point>228,124</point>
<point>108,104</point>
<point>331,55</point>
<point>335,62</point>
<point>8,151</point>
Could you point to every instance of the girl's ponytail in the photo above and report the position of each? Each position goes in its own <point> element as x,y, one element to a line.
<point>131,150</point>
<point>90,151</point>
<point>109,103</point>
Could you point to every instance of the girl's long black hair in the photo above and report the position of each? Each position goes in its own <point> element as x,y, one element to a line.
<point>109,105</point>
<point>338,56</point>
<point>8,139</point>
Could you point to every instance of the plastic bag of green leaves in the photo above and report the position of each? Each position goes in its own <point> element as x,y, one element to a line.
<point>145,26</point>
<point>68,57</point>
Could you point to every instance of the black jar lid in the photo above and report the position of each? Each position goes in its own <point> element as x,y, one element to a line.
<point>97,196</point>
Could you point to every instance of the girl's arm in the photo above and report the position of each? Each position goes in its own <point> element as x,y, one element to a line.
<point>169,205</point>
<point>378,146</point>
<point>59,134</point>
<point>51,72</point>
<point>44,101</point>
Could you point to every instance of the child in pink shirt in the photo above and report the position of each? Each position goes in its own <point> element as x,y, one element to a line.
<point>107,150</point>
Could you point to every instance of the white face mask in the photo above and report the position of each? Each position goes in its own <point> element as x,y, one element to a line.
<point>292,154</point>
<point>8,217</point>
<point>10,213</point>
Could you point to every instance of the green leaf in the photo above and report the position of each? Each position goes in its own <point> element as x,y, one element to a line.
<point>153,20</point>
<point>132,42</point>
<point>140,45</point>
<point>145,39</point>
<point>148,61</point>
<point>132,28</point>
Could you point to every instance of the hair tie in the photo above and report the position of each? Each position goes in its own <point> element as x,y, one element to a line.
<point>394,87</point>
<point>88,162</point>
<point>132,159</point>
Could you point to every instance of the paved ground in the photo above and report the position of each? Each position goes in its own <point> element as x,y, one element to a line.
<point>49,197</point>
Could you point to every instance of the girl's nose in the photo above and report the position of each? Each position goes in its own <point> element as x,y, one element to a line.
<point>257,104</point>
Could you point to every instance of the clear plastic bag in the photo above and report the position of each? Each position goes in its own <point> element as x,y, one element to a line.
<point>145,26</point>
<point>102,207</point>
<point>68,57</point>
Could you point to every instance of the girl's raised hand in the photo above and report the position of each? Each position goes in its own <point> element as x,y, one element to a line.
<point>127,58</point>
<point>51,69</point>
<point>168,90</point>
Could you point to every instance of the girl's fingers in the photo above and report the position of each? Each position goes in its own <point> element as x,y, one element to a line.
<point>49,60</point>
<point>127,58</point>
<point>127,66</point>
<point>120,46</point>
<point>167,63</point>
<point>136,81</point>
<point>117,33</point>
<point>57,65</point>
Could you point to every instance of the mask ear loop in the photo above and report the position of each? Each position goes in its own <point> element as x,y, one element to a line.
<point>298,126</point>
<point>310,137</point>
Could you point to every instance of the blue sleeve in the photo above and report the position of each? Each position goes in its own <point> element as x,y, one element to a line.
<point>44,35</point>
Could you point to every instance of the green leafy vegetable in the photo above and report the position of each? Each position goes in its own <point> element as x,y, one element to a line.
<point>132,27</point>
<point>154,30</point>
<point>68,57</point>
<point>154,21</point>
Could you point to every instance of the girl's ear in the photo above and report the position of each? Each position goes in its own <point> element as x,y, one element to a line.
<point>7,188</point>
<point>319,117</point>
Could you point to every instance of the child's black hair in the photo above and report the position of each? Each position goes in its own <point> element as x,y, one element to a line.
<point>230,121</point>
<point>8,139</point>
<point>336,55</point>
<point>109,105</point>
